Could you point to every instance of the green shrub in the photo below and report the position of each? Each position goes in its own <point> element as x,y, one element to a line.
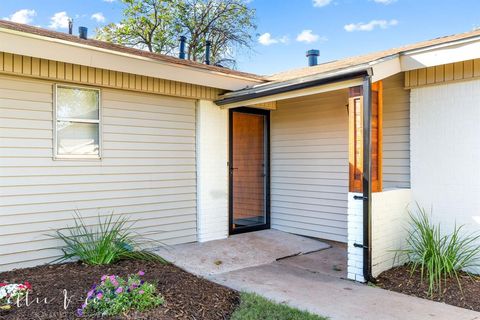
<point>116,295</point>
<point>111,240</point>
<point>438,256</point>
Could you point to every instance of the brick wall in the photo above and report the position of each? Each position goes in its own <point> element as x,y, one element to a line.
<point>389,222</point>
<point>355,235</point>
<point>389,227</point>
<point>445,149</point>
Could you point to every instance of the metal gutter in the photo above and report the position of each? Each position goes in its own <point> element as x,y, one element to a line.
<point>271,89</point>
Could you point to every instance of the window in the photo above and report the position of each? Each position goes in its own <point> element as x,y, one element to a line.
<point>77,122</point>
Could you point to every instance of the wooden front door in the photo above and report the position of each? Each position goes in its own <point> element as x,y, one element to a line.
<point>249,170</point>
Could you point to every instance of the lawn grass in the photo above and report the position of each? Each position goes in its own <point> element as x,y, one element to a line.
<point>254,307</point>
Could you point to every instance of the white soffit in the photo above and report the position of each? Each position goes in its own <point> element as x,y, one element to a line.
<point>385,68</point>
<point>21,43</point>
<point>443,54</point>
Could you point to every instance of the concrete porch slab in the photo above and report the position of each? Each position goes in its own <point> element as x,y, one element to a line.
<point>311,281</point>
<point>238,251</point>
<point>332,262</point>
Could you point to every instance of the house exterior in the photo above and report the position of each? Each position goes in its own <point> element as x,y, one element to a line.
<point>195,152</point>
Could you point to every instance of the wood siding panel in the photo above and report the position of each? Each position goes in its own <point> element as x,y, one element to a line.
<point>58,71</point>
<point>309,166</point>
<point>457,71</point>
<point>147,173</point>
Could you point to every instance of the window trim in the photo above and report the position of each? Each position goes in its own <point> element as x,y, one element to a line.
<point>57,156</point>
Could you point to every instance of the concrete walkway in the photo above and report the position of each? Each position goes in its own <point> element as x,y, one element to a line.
<point>336,298</point>
<point>311,281</point>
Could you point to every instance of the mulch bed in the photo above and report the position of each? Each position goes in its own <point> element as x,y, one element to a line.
<point>186,296</point>
<point>400,280</point>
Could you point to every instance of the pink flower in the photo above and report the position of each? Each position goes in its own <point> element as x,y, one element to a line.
<point>119,290</point>
<point>141,292</point>
<point>100,296</point>
<point>141,273</point>
<point>90,294</point>
<point>104,277</point>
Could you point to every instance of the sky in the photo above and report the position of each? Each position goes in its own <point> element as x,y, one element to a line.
<point>288,28</point>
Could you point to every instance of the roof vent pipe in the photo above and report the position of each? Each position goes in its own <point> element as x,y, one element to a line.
<point>83,33</point>
<point>207,51</point>
<point>70,26</point>
<point>312,56</point>
<point>183,40</point>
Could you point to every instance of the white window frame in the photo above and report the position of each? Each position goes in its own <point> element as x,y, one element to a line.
<point>57,156</point>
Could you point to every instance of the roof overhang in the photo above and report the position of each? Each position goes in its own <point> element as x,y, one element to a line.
<point>434,55</point>
<point>450,52</point>
<point>22,43</point>
<point>315,84</point>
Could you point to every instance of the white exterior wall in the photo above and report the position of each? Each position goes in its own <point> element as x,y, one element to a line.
<point>355,235</point>
<point>147,171</point>
<point>389,227</point>
<point>212,171</point>
<point>445,135</point>
<point>309,166</point>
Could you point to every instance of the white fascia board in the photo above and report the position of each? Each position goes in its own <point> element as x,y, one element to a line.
<point>296,93</point>
<point>21,43</point>
<point>442,54</point>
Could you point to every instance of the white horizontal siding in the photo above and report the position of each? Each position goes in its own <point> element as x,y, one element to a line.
<point>396,133</point>
<point>309,166</point>
<point>147,171</point>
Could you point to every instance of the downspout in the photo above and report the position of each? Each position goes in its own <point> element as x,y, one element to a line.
<point>367,178</point>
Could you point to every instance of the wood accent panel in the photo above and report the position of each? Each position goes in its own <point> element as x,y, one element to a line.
<point>248,161</point>
<point>66,72</point>
<point>377,89</point>
<point>355,120</point>
<point>272,105</point>
<point>457,71</point>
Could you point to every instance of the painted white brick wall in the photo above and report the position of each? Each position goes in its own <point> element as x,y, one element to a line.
<point>445,152</point>
<point>389,218</point>
<point>212,171</point>
<point>389,227</point>
<point>355,235</point>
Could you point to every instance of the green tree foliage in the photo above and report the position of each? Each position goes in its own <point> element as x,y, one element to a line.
<point>156,25</point>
